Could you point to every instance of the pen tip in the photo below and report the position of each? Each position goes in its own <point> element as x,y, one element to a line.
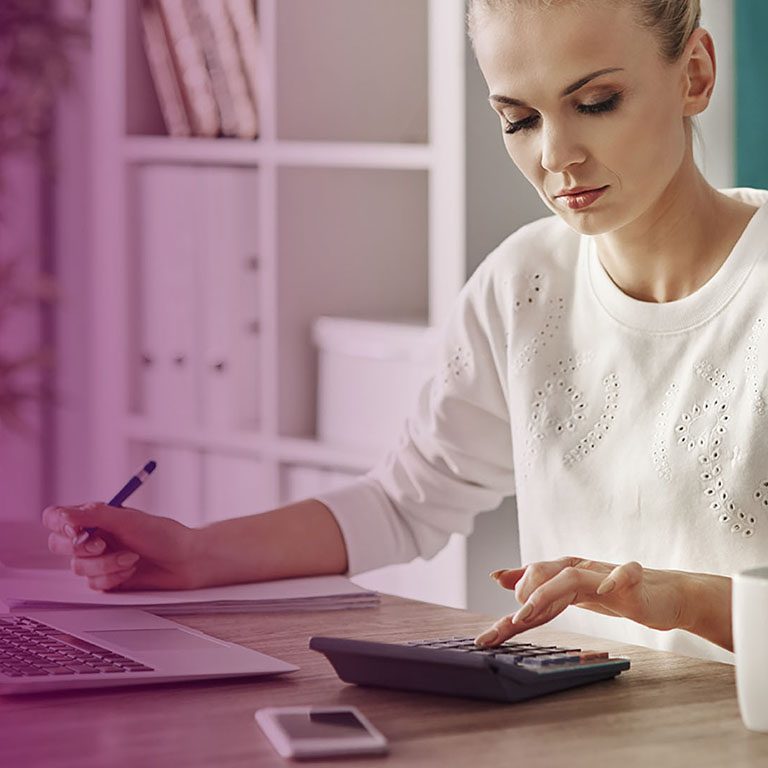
<point>150,466</point>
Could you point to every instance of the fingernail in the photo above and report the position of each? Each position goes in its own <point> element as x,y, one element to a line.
<point>489,636</point>
<point>606,586</point>
<point>128,559</point>
<point>94,546</point>
<point>523,613</point>
<point>70,531</point>
<point>496,574</point>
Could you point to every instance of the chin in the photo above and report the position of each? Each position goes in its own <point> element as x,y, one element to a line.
<point>585,224</point>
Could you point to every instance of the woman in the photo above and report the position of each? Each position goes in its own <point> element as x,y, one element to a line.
<point>603,363</point>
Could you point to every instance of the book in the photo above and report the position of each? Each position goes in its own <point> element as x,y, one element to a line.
<point>163,71</point>
<point>31,590</point>
<point>245,24</point>
<point>203,28</point>
<point>194,78</point>
<point>226,66</point>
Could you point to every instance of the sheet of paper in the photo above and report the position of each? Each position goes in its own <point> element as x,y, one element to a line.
<point>17,590</point>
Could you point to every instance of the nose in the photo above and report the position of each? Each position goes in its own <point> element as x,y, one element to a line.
<point>560,148</point>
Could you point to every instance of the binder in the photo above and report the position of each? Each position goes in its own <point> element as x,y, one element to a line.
<point>229,365</point>
<point>168,256</point>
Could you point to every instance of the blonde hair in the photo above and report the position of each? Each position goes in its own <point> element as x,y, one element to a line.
<point>672,21</point>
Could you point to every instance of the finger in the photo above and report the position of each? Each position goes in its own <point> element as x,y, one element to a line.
<point>555,595</point>
<point>111,580</point>
<point>62,545</point>
<point>508,578</point>
<point>67,520</point>
<point>53,519</point>
<point>106,564</point>
<point>622,576</point>
<point>547,601</point>
<point>539,573</point>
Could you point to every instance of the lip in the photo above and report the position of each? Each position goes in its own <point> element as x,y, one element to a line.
<point>581,199</point>
<point>577,190</point>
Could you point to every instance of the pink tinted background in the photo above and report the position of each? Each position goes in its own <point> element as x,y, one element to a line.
<point>348,242</point>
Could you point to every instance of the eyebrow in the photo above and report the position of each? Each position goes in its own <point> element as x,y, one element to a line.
<point>569,90</point>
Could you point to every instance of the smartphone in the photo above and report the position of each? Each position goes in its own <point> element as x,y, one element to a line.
<point>310,732</point>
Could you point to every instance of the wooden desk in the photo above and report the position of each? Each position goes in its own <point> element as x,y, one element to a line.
<point>667,710</point>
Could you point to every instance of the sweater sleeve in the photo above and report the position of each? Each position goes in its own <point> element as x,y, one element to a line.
<point>453,458</point>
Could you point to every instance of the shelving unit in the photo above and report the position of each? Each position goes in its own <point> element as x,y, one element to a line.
<point>362,165</point>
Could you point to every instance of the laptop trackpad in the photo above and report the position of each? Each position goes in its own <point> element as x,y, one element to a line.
<point>154,639</point>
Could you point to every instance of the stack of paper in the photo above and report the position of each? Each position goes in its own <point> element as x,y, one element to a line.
<point>35,590</point>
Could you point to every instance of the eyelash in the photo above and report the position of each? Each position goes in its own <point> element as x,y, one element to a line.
<point>586,109</point>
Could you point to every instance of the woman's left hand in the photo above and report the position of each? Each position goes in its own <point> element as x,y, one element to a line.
<point>654,598</point>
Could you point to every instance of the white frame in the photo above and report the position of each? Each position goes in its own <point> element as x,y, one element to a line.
<point>373,743</point>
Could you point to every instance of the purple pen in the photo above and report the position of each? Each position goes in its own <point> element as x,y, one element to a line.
<point>120,497</point>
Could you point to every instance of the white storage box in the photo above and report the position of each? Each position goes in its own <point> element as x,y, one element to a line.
<point>370,373</point>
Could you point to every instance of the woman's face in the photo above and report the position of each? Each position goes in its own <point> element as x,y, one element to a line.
<point>622,130</point>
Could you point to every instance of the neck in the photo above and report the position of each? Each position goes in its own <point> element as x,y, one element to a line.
<point>678,244</point>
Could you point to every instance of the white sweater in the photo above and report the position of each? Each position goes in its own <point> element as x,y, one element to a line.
<point>628,430</point>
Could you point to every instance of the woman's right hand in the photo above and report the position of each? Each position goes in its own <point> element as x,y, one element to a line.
<point>130,550</point>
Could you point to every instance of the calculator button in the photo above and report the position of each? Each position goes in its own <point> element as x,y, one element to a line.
<point>593,655</point>
<point>536,662</point>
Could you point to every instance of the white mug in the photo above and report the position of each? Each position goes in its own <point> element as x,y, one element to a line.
<point>750,644</point>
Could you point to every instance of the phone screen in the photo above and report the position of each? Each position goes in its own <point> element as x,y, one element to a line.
<point>321,725</point>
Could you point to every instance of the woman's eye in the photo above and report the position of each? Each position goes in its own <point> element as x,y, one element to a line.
<point>602,106</point>
<point>585,109</point>
<point>520,125</point>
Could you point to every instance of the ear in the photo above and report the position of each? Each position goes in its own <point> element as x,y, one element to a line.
<point>698,72</point>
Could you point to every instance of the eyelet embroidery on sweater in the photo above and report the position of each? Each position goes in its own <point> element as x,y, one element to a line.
<point>558,407</point>
<point>585,446</point>
<point>559,416</point>
<point>710,436</point>
<point>761,495</point>
<point>750,367</point>
<point>720,380</point>
<point>659,449</point>
<point>458,362</point>
<point>540,339</point>
<point>712,417</point>
<point>527,293</point>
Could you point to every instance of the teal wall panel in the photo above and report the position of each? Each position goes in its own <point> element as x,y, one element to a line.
<point>751,63</point>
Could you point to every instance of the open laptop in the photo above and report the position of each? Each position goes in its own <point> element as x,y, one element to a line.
<point>105,647</point>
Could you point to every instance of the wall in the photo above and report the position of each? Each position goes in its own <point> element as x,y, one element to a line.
<point>750,24</point>
<point>71,264</point>
<point>21,457</point>
<point>716,157</point>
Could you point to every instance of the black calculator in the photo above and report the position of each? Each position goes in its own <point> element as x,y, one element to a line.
<point>456,666</point>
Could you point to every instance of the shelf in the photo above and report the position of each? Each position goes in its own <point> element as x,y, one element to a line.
<point>162,149</point>
<point>244,442</point>
<point>157,149</point>
<point>306,450</point>
<point>303,450</point>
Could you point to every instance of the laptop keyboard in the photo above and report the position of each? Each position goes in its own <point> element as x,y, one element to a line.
<point>29,648</point>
